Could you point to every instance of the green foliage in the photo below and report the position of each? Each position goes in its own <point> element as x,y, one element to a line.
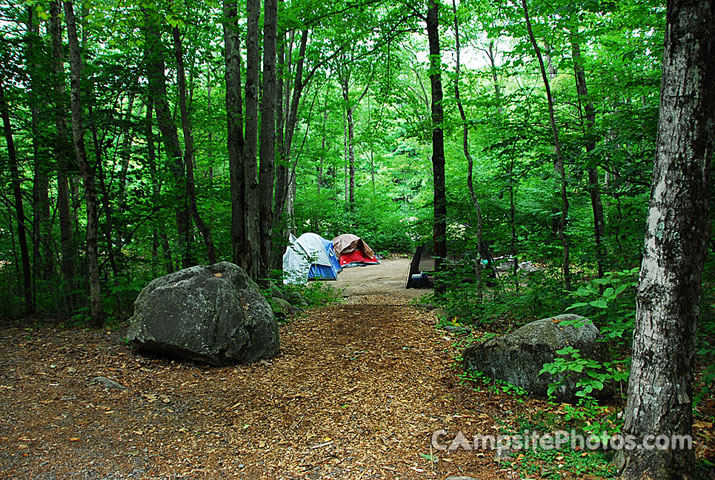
<point>595,375</point>
<point>610,303</point>
<point>481,382</point>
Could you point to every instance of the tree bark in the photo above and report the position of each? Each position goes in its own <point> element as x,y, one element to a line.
<point>204,229</point>
<point>558,160</point>
<point>42,244</point>
<point>676,243</point>
<point>290,107</point>
<point>269,102</point>
<point>157,92</point>
<point>86,171</point>
<point>594,189</point>
<point>27,300</point>
<point>250,152</point>
<point>235,141</point>
<point>440,194</point>
<point>62,153</point>
<point>467,155</point>
<point>161,236</point>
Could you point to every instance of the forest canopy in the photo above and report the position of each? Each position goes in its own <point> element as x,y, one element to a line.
<point>210,130</point>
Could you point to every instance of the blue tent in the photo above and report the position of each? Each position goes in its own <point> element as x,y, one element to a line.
<point>310,256</point>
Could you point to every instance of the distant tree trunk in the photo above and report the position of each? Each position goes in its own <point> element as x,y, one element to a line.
<point>346,159</point>
<point>558,161</point>
<point>28,304</point>
<point>235,140</point>
<point>467,155</point>
<point>321,162</point>
<point>157,92</point>
<point>189,149</point>
<point>125,156</point>
<point>676,243</point>
<point>95,299</point>
<point>161,236</point>
<point>62,152</point>
<point>594,188</point>
<point>269,102</point>
<point>42,244</point>
<point>440,193</point>
<point>292,101</point>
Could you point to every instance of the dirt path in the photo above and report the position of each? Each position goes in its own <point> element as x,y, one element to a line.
<point>355,393</point>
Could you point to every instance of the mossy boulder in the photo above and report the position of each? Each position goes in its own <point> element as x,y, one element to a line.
<point>519,356</point>
<point>211,314</point>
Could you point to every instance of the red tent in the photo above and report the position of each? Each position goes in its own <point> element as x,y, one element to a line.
<point>352,251</point>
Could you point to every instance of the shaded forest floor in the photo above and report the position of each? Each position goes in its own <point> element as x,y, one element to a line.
<point>356,392</point>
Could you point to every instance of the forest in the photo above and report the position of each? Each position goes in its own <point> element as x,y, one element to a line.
<point>141,138</point>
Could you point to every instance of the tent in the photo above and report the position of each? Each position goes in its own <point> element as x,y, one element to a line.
<point>309,257</point>
<point>352,251</point>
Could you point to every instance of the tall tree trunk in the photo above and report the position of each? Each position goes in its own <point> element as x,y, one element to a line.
<point>235,141</point>
<point>676,243</point>
<point>250,152</point>
<point>467,155</point>
<point>157,91</point>
<point>42,245</point>
<point>346,161</point>
<point>440,193</point>
<point>189,149</point>
<point>125,156</point>
<point>558,160</point>
<point>350,139</point>
<point>321,162</point>
<point>269,103</point>
<point>161,236</point>
<point>589,114</point>
<point>62,152</point>
<point>292,100</point>
<point>28,304</point>
<point>86,171</point>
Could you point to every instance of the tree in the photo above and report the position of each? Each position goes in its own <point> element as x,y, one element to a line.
<point>86,171</point>
<point>267,152</point>
<point>438,172</point>
<point>62,153</point>
<point>559,169</point>
<point>676,240</point>
<point>28,298</point>
<point>157,92</point>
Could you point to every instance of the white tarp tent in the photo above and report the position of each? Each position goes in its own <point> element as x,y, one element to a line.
<point>309,256</point>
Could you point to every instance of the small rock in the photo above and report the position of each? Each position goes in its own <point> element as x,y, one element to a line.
<point>427,306</point>
<point>457,329</point>
<point>459,477</point>
<point>107,383</point>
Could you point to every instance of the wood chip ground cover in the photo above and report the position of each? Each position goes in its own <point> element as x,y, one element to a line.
<point>355,393</point>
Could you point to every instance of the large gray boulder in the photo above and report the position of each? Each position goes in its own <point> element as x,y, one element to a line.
<point>212,314</point>
<point>519,356</point>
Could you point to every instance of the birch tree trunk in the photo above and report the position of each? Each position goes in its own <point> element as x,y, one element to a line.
<point>676,242</point>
